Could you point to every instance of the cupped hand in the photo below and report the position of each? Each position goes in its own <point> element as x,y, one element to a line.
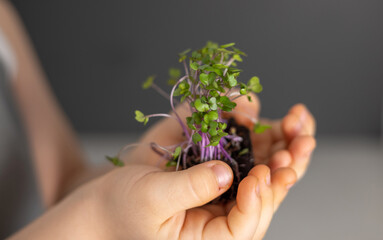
<point>144,202</point>
<point>288,144</point>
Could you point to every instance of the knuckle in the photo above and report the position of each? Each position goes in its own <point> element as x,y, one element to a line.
<point>200,185</point>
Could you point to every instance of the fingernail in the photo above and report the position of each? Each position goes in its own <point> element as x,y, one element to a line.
<point>223,175</point>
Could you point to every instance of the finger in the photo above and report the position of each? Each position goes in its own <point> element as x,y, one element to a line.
<point>298,121</point>
<point>246,111</point>
<point>280,159</point>
<point>281,181</point>
<point>172,192</point>
<point>277,146</point>
<point>301,149</point>
<point>243,218</point>
<point>262,172</point>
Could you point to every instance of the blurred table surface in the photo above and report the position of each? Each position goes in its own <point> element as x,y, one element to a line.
<point>340,197</point>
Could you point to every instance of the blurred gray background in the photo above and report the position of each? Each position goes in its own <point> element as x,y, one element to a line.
<point>327,54</point>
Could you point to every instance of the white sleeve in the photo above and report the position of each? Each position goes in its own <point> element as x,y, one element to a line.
<point>7,56</point>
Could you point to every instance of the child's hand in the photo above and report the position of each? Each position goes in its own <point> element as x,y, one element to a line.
<point>288,144</point>
<point>143,202</point>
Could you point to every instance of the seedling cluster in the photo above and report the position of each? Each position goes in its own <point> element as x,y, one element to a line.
<point>209,87</point>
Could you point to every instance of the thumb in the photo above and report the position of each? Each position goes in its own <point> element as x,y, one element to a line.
<point>172,192</point>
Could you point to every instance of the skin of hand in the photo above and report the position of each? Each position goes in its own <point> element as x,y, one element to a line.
<point>288,144</point>
<point>145,202</point>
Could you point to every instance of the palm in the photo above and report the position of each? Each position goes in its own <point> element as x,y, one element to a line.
<point>283,146</point>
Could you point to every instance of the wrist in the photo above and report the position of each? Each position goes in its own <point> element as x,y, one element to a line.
<point>75,217</point>
<point>89,219</point>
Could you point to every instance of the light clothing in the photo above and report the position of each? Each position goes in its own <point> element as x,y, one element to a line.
<point>19,198</point>
<point>7,56</point>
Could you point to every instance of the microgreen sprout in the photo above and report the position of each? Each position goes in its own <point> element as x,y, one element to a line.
<point>209,87</point>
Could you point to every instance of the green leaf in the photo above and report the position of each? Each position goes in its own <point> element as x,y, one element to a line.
<point>214,141</point>
<point>213,124</point>
<point>194,66</point>
<point>184,52</point>
<point>236,50</point>
<point>204,78</point>
<point>171,82</point>
<point>116,161</point>
<point>227,45</point>
<point>222,126</point>
<point>185,96</point>
<point>213,132</point>
<point>227,104</point>
<point>146,120</point>
<point>220,66</point>
<point>222,134</point>
<point>177,152</point>
<point>213,115</point>
<point>212,77</point>
<point>174,73</point>
<point>237,57</point>
<point>196,138</point>
<point>203,67</point>
<point>190,123</point>
<point>211,45</point>
<point>214,94</point>
<point>196,55</point>
<point>234,70</point>
<point>243,151</point>
<point>197,117</point>
<point>259,128</point>
<point>140,117</point>
<point>225,50</point>
<point>148,82</point>
<point>171,164</point>
<point>200,106</point>
<point>254,85</point>
<point>232,81</point>
<point>206,118</point>
<point>204,127</point>
<point>213,103</point>
<point>183,55</point>
<point>243,91</point>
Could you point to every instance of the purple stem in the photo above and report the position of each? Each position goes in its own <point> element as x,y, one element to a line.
<point>174,110</point>
<point>186,68</point>
<point>160,91</point>
<point>228,64</point>
<point>164,155</point>
<point>202,147</point>
<point>184,160</point>
<point>232,161</point>
<point>178,162</point>
<point>160,115</point>
<point>237,97</point>
<point>221,57</point>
